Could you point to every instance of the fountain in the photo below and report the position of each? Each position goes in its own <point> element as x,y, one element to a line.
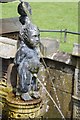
<point>23,100</point>
<point>50,85</point>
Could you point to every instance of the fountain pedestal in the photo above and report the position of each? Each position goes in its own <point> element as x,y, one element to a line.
<point>19,109</point>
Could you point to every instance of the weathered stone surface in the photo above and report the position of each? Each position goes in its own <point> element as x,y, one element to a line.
<point>59,65</point>
<point>63,84</point>
<point>9,25</point>
<point>62,57</point>
<point>76,49</point>
<point>8,47</point>
<point>62,80</point>
<point>76,97</point>
<point>48,46</point>
<point>3,1</point>
<point>0,67</point>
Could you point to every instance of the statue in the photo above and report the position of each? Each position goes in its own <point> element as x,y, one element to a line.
<point>27,58</point>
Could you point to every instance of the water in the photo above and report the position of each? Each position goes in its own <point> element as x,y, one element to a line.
<point>60,92</point>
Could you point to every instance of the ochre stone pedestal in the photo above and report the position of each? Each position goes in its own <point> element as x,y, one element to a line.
<point>19,109</point>
<point>3,92</point>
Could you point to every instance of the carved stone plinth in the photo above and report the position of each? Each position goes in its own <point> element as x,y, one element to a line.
<point>3,92</point>
<point>19,109</point>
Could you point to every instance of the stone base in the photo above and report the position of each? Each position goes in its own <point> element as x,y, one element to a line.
<point>3,92</point>
<point>19,109</point>
<point>76,49</point>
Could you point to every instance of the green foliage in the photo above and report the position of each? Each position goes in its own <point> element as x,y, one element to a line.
<point>51,15</point>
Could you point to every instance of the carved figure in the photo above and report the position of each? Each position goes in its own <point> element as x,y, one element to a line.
<point>27,57</point>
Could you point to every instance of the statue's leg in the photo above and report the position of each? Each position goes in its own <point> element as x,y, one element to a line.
<point>24,81</point>
<point>34,83</point>
<point>24,84</point>
<point>24,78</point>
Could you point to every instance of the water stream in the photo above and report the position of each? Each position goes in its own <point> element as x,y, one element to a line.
<point>56,99</point>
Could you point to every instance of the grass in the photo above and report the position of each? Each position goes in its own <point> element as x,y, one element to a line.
<point>55,15</point>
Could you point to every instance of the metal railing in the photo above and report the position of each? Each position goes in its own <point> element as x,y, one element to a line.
<point>65,31</point>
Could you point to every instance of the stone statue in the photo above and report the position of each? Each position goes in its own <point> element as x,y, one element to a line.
<point>27,58</point>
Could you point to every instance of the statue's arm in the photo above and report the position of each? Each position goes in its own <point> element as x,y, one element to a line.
<point>18,57</point>
<point>37,51</point>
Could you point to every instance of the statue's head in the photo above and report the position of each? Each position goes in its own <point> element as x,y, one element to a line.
<point>30,33</point>
<point>34,35</point>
